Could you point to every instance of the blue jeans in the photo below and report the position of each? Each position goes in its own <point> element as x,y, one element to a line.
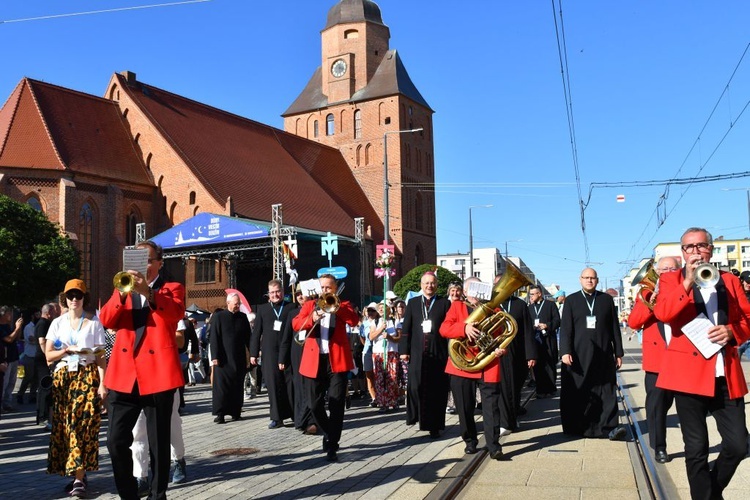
<point>743,347</point>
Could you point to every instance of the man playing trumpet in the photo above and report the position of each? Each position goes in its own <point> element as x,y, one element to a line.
<point>326,360</point>
<point>703,385</point>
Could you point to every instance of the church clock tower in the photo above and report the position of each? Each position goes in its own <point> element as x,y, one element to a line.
<point>359,97</point>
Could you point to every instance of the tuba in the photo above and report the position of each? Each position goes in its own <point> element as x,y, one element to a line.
<point>647,278</point>
<point>329,303</point>
<point>123,281</point>
<point>497,328</point>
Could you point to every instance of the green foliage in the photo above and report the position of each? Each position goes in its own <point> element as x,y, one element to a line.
<point>35,258</point>
<point>412,279</point>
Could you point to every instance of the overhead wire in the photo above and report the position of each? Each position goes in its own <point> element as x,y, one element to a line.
<point>562,53</point>
<point>102,11</point>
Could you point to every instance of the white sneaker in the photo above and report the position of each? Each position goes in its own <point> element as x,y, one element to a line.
<point>504,431</point>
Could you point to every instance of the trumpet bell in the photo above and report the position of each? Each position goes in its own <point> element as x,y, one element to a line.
<point>706,275</point>
<point>329,303</point>
<point>647,278</point>
<point>123,281</point>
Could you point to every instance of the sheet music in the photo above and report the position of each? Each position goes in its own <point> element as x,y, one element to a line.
<point>479,290</point>
<point>697,332</point>
<point>135,259</point>
<point>310,287</point>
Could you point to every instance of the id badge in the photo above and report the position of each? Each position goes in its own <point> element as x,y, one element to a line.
<point>536,322</point>
<point>590,322</point>
<point>277,326</point>
<point>427,326</point>
<point>73,363</point>
<point>301,335</point>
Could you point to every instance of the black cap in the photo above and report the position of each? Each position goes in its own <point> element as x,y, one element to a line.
<point>745,276</point>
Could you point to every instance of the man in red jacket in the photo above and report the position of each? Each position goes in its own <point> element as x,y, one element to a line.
<point>326,360</point>
<point>656,336</point>
<point>716,384</point>
<point>463,383</point>
<point>144,371</point>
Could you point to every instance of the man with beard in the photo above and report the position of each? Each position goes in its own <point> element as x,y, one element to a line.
<point>515,365</point>
<point>591,348</point>
<point>230,340</point>
<point>427,354</point>
<point>546,320</point>
<point>270,321</point>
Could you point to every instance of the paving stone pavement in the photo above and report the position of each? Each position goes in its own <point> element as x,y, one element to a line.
<point>379,456</point>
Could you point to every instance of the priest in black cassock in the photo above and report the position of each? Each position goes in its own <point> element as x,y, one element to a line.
<point>291,347</point>
<point>230,340</point>
<point>270,321</point>
<point>546,320</point>
<point>427,353</point>
<point>519,358</point>
<point>591,350</point>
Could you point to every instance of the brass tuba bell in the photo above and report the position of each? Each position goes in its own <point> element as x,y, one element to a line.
<point>123,281</point>
<point>329,303</point>
<point>647,278</point>
<point>497,328</point>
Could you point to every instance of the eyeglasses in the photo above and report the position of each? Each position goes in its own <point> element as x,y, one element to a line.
<point>693,247</point>
<point>74,295</point>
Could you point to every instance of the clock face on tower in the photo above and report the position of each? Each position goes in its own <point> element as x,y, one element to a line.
<point>338,68</point>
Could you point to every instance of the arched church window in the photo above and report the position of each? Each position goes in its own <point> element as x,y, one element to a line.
<point>419,212</point>
<point>192,197</point>
<point>358,124</point>
<point>315,129</point>
<point>359,155</point>
<point>131,222</point>
<point>368,154</point>
<point>86,241</point>
<point>34,203</point>
<point>330,125</point>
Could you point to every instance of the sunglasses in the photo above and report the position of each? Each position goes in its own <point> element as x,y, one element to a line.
<point>74,295</point>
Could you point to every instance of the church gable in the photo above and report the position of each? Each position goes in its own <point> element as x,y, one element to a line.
<point>26,141</point>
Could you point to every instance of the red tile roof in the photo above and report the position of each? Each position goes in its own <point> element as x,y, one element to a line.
<point>258,165</point>
<point>49,127</point>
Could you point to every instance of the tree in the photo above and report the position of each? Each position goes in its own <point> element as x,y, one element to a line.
<point>411,280</point>
<point>36,258</point>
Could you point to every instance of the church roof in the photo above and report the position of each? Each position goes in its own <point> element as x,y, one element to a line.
<point>353,11</point>
<point>258,165</point>
<point>391,78</point>
<point>43,126</point>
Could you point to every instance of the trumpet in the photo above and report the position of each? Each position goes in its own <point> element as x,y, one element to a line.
<point>123,281</point>
<point>706,275</point>
<point>328,303</point>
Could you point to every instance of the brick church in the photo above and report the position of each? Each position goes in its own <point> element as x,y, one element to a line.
<point>99,166</point>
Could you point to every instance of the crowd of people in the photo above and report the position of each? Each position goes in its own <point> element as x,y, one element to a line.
<point>319,352</point>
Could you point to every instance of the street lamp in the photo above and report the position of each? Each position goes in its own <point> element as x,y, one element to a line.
<point>386,223</point>
<point>471,240</point>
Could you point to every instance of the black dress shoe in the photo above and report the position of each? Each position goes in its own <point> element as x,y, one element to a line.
<point>326,445</point>
<point>470,449</point>
<point>236,418</point>
<point>220,419</point>
<point>434,434</point>
<point>662,457</point>
<point>331,456</point>
<point>618,434</point>
<point>497,455</point>
<point>274,424</point>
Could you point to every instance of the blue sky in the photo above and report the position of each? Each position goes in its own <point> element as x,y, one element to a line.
<point>644,79</point>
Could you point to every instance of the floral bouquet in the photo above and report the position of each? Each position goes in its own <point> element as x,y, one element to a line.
<point>383,265</point>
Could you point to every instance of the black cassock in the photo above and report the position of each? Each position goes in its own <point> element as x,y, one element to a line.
<point>230,338</point>
<point>292,349</point>
<point>545,370</point>
<point>267,340</point>
<point>588,398</point>
<point>513,365</point>
<point>428,384</point>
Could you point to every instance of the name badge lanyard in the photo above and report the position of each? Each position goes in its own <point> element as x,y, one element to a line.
<point>426,317</point>
<point>537,311</point>
<point>591,320</point>
<point>278,316</point>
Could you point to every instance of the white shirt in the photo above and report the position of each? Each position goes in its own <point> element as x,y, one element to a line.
<point>711,299</point>
<point>29,348</point>
<point>325,322</point>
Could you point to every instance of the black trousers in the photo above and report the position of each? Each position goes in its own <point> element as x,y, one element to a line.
<point>658,403</point>
<point>492,408</point>
<point>335,385</point>
<point>729,414</point>
<point>124,409</point>
<point>465,399</point>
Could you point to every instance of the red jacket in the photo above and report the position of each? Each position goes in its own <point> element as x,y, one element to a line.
<point>684,369</point>
<point>453,327</point>
<point>339,349</point>
<point>154,363</point>
<point>654,345</point>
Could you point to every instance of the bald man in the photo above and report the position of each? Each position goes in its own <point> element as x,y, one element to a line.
<point>656,337</point>
<point>591,349</point>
